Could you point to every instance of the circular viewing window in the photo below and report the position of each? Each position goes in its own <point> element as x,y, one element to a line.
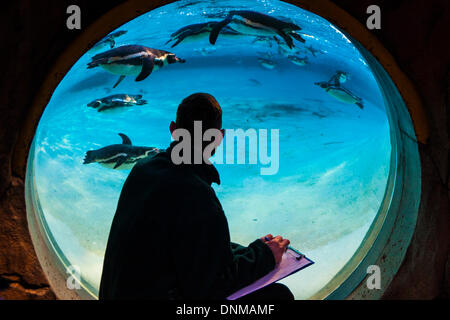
<point>332,171</point>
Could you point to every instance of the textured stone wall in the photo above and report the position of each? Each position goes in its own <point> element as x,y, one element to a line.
<point>414,31</point>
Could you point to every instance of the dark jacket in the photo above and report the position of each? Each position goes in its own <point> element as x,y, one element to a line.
<point>170,240</point>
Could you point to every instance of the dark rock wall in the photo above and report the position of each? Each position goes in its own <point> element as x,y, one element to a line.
<point>35,34</point>
<point>414,31</point>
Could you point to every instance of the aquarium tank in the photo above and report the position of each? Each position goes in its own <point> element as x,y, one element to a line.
<point>317,99</point>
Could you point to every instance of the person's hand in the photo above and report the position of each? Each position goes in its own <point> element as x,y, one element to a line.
<point>277,244</point>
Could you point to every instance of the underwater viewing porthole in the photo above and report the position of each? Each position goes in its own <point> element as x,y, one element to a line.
<point>334,176</point>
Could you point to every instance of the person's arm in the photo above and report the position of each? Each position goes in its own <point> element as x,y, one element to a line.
<point>207,267</point>
<point>256,248</point>
<point>251,263</point>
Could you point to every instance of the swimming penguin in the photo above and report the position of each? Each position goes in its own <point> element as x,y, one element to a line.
<point>257,24</point>
<point>266,55</point>
<point>313,51</point>
<point>107,42</point>
<point>254,82</point>
<point>117,101</point>
<point>266,63</point>
<point>119,156</point>
<point>118,33</point>
<point>263,41</point>
<point>133,60</point>
<point>197,31</point>
<point>205,51</point>
<point>298,61</point>
<point>284,49</point>
<point>342,94</point>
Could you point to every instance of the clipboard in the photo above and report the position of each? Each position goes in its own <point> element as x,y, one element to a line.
<point>291,262</point>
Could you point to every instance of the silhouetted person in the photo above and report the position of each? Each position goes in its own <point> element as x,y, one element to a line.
<point>169,238</point>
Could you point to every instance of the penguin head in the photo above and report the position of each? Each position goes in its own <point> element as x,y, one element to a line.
<point>120,33</point>
<point>141,102</point>
<point>94,104</point>
<point>343,75</point>
<point>172,58</point>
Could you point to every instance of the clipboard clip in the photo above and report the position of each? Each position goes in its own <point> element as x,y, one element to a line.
<point>300,255</point>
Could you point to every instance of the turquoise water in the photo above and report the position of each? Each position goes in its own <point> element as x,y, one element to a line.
<point>333,157</point>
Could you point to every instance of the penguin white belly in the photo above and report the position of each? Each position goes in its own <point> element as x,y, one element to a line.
<point>123,69</point>
<point>101,46</point>
<point>267,64</point>
<point>251,28</point>
<point>342,96</point>
<point>196,37</point>
<point>125,166</point>
<point>300,63</point>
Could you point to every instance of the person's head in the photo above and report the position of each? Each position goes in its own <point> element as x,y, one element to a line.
<point>199,107</point>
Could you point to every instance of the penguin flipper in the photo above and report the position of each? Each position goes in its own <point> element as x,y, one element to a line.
<point>120,161</point>
<point>112,43</point>
<point>180,38</point>
<point>337,82</point>
<point>297,37</point>
<point>287,39</point>
<point>360,105</point>
<point>103,109</point>
<point>119,81</point>
<point>147,68</point>
<point>125,139</point>
<point>216,29</point>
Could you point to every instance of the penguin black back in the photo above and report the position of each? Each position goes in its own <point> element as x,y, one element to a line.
<point>265,19</point>
<point>120,51</point>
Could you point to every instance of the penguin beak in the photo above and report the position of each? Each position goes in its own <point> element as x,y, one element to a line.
<point>94,104</point>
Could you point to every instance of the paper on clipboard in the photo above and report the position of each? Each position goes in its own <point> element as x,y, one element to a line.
<point>291,262</point>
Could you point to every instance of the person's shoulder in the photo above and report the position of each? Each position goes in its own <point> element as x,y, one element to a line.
<point>179,178</point>
<point>160,167</point>
<point>152,164</point>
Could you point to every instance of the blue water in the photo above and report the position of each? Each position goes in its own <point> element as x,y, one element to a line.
<point>333,157</point>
